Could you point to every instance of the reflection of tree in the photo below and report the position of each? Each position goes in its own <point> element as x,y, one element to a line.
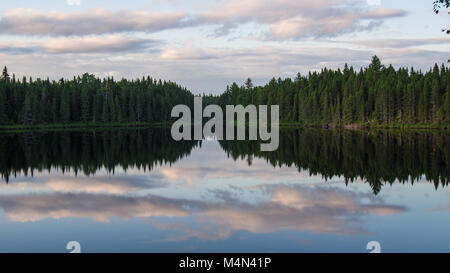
<point>375,156</point>
<point>89,151</point>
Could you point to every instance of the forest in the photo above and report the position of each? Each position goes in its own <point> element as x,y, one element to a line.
<point>375,95</point>
<point>87,99</point>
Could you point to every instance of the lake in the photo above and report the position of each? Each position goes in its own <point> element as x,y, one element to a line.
<point>138,190</point>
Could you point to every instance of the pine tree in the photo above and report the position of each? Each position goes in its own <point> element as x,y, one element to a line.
<point>106,108</point>
<point>249,84</point>
<point>132,107</point>
<point>5,75</point>
<point>375,65</point>
<point>3,117</point>
<point>444,112</point>
<point>65,106</point>
<point>435,93</point>
<point>28,117</point>
<point>85,106</point>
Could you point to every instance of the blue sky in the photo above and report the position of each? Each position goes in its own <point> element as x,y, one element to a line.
<point>205,45</point>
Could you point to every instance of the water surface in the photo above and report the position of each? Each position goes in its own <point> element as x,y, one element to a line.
<point>140,191</point>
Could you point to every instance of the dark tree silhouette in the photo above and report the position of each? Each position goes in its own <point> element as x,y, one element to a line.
<point>376,157</point>
<point>376,95</point>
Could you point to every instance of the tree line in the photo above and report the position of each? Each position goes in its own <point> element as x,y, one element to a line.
<point>376,94</point>
<point>87,99</point>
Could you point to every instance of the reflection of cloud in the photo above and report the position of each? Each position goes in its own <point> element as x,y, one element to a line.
<point>191,175</point>
<point>82,184</point>
<point>317,209</point>
<point>204,232</point>
<point>102,208</point>
<point>111,185</point>
<point>200,167</point>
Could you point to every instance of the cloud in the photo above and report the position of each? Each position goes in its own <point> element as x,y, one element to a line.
<point>399,43</point>
<point>23,21</point>
<point>221,67</point>
<point>406,57</point>
<point>82,45</point>
<point>187,52</point>
<point>75,42</point>
<point>298,19</point>
<point>98,44</point>
<point>73,2</point>
<point>374,2</point>
<point>15,49</point>
<point>285,19</point>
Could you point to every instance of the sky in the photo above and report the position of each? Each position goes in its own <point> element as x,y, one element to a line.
<point>206,45</point>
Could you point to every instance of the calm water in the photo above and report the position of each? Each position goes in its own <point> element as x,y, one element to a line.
<point>139,191</point>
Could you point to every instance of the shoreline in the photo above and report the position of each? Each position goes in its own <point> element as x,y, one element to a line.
<point>140,125</point>
<point>79,126</point>
<point>443,127</point>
